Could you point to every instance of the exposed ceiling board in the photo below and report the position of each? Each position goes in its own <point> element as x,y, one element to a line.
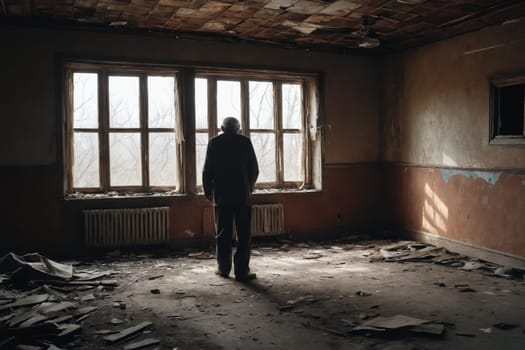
<point>340,8</point>
<point>314,24</point>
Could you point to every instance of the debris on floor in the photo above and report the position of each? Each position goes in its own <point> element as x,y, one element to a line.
<point>317,294</point>
<point>411,251</point>
<point>46,295</point>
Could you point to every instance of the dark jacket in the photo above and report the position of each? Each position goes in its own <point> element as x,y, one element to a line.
<point>230,169</point>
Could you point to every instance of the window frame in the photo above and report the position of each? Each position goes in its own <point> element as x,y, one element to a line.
<point>277,81</point>
<point>103,130</point>
<point>185,75</point>
<point>496,83</point>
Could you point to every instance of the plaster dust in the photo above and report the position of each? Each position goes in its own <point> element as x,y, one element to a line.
<point>307,296</point>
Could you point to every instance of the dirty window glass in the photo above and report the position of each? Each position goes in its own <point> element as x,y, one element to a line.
<point>228,100</point>
<point>124,102</point>
<point>261,105</point>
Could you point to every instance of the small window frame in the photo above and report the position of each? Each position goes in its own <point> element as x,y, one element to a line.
<point>496,83</point>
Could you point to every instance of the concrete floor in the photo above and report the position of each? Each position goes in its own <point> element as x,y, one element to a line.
<point>305,297</point>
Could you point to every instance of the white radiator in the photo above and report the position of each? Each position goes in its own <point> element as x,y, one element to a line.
<point>267,219</point>
<point>126,227</point>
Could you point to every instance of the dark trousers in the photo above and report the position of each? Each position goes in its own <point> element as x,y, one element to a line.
<point>225,215</point>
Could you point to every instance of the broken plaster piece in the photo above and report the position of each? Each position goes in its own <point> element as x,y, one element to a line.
<point>127,332</point>
<point>393,322</point>
<point>27,301</point>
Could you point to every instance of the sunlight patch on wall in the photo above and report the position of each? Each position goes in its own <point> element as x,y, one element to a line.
<point>434,213</point>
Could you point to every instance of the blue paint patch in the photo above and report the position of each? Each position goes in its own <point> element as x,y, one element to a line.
<point>490,177</point>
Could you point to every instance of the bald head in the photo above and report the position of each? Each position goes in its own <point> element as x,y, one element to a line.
<point>230,125</point>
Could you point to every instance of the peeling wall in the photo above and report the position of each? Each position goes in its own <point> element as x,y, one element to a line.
<point>435,141</point>
<point>436,100</point>
<point>481,209</point>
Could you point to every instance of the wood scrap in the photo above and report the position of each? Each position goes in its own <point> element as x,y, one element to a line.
<point>34,320</point>
<point>6,318</point>
<point>88,297</point>
<point>54,347</point>
<point>27,347</point>
<point>68,329</point>
<point>428,328</point>
<point>142,344</point>
<point>21,317</point>
<point>396,321</point>
<point>60,319</point>
<point>49,308</point>
<point>87,276</point>
<point>86,310</point>
<point>107,283</point>
<point>127,332</point>
<point>27,301</point>
<point>106,331</point>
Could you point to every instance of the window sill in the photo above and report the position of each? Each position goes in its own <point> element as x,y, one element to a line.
<point>508,140</point>
<point>283,191</point>
<point>117,195</point>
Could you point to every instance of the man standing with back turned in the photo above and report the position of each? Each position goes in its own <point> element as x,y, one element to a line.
<point>229,175</point>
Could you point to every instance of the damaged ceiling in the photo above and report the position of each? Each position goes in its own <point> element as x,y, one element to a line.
<point>341,24</point>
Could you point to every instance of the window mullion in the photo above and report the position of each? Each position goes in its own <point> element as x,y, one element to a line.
<point>186,91</point>
<point>306,108</point>
<point>103,119</point>
<point>277,87</point>
<point>212,107</point>
<point>69,130</point>
<point>523,109</point>
<point>245,107</point>
<point>498,98</point>
<point>144,134</point>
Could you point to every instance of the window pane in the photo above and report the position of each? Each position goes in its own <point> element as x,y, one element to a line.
<point>124,102</point>
<point>125,160</point>
<point>512,100</point>
<point>261,105</point>
<point>85,100</point>
<point>86,162</point>
<point>161,102</point>
<point>291,95</point>
<point>293,156</point>
<point>201,103</point>
<point>201,143</point>
<point>228,100</point>
<point>162,159</point>
<point>264,145</point>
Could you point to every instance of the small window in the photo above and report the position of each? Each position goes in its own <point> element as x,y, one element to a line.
<point>508,111</point>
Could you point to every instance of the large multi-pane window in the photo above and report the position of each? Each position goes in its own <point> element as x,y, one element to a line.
<point>126,125</point>
<point>271,114</point>
<point>122,130</point>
